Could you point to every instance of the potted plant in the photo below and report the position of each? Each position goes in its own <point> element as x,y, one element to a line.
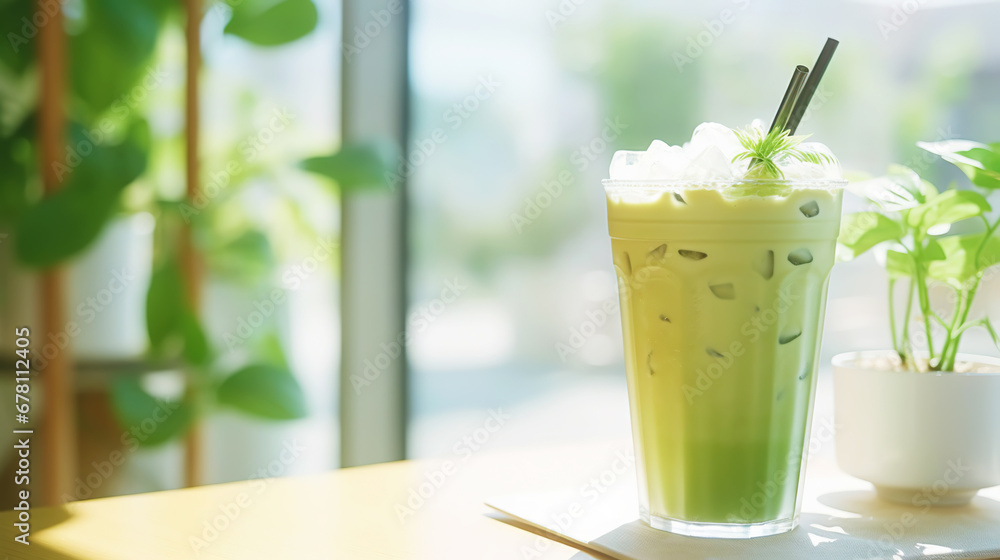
<point>922,421</point>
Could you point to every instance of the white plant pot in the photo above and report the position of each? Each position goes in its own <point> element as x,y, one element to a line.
<point>922,439</point>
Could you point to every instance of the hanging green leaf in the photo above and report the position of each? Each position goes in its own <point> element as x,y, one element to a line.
<point>264,390</point>
<point>899,264</point>
<point>959,266</point>
<point>980,162</point>
<point>356,166</point>
<point>863,230</point>
<point>111,62</point>
<point>16,159</point>
<point>947,208</point>
<point>65,223</point>
<point>165,305</point>
<point>150,421</point>
<point>246,258</point>
<point>268,24</point>
<point>196,348</point>
<point>19,32</point>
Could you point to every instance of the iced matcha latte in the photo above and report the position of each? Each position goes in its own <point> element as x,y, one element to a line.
<point>722,270</point>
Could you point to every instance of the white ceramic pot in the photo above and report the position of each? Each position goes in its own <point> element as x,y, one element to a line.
<point>921,438</point>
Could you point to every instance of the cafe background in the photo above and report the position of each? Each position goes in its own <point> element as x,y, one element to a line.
<point>400,229</point>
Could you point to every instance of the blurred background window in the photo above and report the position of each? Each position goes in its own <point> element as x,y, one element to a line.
<point>534,97</point>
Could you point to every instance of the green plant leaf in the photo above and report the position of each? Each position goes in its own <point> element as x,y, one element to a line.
<point>899,264</point>
<point>65,223</point>
<point>16,159</point>
<point>268,23</point>
<point>165,306</point>
<point>269,350</point>
<point>947,208</point>
<point>247,257</point>
<point>113,53</point>
<point>355,166</point>
<point>263,390</point>
<point>932,251</point>
<point>863,230</point>
<point>960,250</point>
<point>196,348</point>
<point>150,421</point>
<point>899,190</point>
<point>980,162</point>
<point>18,50</point>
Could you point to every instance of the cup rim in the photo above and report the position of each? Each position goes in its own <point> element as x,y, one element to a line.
<point>716,184</point>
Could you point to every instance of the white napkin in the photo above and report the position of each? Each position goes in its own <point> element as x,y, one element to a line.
<point>842,519</point>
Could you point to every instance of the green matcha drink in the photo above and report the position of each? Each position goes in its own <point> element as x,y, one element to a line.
<point>722,281</point>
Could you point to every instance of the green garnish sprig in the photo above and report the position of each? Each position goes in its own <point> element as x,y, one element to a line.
<point>764,150</point>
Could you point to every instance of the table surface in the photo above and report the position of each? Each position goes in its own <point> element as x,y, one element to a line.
<point>429,509</point>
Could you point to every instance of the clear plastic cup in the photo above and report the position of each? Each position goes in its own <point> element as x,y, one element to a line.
<point>723,289</point>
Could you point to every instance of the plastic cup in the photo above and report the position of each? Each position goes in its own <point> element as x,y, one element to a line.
<point>723,289</point>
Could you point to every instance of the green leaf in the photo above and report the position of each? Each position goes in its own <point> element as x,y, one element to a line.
<point>932,251</point>
<point>984,323</point>
<point>196,348</point>
<point>18,49</point>
<point>65,223</point>
<point>269,350</point>
<point>899,190</point>
<point>156,421</point>
<point>899,264</point>
<point>247,257</point>
<point>356,166</point>
<point>863,230</point>
<point>947,208</point>
<point>165,306</point>
<point>113,53</point>
<point>16,161</point>
<point>265,391</point>
<point>268,24</point>
<point>960,250</point>
<point>980,162</point>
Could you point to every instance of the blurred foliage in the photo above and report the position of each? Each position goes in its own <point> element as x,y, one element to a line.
<point>266,23</point>
<point>112,47</point>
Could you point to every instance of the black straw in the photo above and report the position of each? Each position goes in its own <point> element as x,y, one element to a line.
<point>802,103</point>
<point>791,94</point>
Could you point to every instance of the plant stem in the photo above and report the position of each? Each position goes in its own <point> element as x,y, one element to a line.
<point>892,320</point>
<point>924,298</point>
<point>948,360</point>
<point>905,338</point>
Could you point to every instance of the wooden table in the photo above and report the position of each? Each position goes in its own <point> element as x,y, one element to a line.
<point>366,513</point>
